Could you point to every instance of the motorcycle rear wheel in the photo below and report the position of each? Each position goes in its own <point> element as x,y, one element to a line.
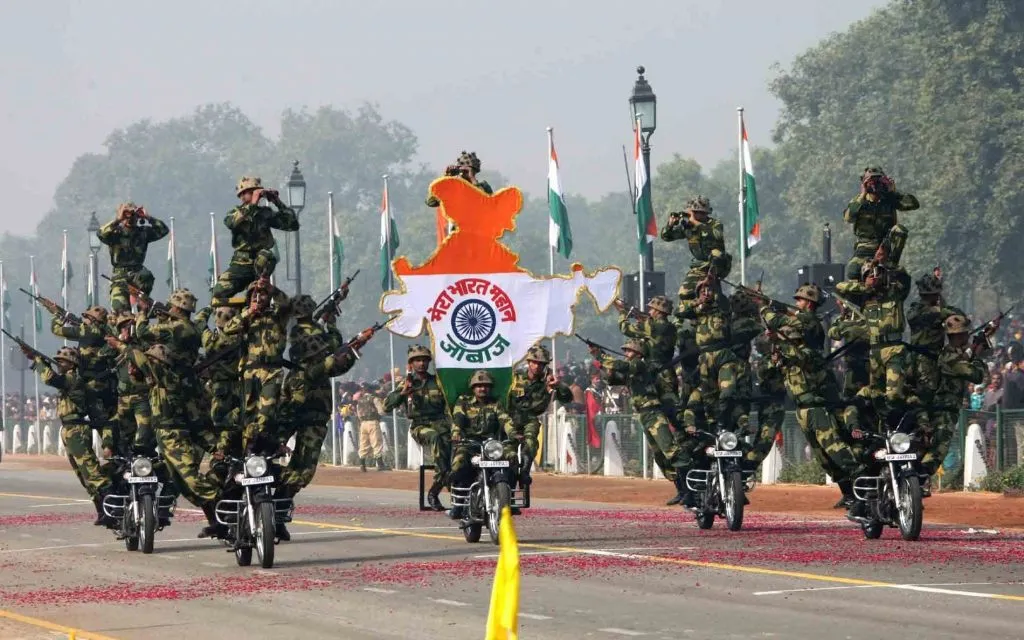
<point>472,532</point>
<point>705,519</point>
<point>265,531</point>
<point>909,510</point>
<point>734,500</point>
<point>872,530</point>
<point>147,531</point>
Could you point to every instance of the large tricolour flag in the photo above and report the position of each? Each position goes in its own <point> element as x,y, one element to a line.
<point>559,232</point>
<point>751,224</point>
<point>388,240</point>
<point>483,310</point>
<point>646,225</point>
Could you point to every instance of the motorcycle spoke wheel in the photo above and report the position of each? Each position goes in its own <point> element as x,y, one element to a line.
<point>734,501</point>
<point>147,528</point>
<point>265,534</point>
<point>501,497</point>
<point>909,512</point>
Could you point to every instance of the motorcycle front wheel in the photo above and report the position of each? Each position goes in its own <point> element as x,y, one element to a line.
<point>501,497</point>
<point>147,530</point>
<point>734,500</point>
<point>265,534</point>
<point>909,508</point>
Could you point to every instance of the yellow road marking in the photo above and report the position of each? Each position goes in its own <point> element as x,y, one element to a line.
<point>71,632</point>
<point>720,566</point>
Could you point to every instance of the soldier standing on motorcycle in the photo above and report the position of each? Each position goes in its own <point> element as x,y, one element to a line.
<point>529,397</point>
<point>478,416</point>
<point>425,407</point>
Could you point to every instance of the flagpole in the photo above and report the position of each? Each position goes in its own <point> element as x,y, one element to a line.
<point>551,252</point>
<point>213,244</point>
<point>3,353</point>
<point>35,336</point>
<point>174,258</point>
<point>64,277</point>
<point>742,200</point>
<point>391,336</point>
<point>334,388</point>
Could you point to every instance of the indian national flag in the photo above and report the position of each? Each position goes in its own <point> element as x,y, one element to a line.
<point>65,272</point>
<point>33,284</point>
<point>6,302</point>
<point>751,224</point>
<point>388,240</point>
<point>559,233</point>
<point>214,267</point>
<point>483,310</point>
<point>170,261</point>
<point>646,225</point>
<point>338,250</point>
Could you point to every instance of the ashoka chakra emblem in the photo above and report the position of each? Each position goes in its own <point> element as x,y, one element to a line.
<point>473,322</point>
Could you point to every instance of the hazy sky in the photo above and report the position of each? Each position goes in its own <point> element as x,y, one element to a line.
<point>481,76</point>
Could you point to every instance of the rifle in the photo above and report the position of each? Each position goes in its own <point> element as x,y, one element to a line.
<point>28,349</point>
<point>594,345</point>
<point>65,316</point>
<point>361,337</point>
<point>993,324</point>
<point>881,254</point>
<point>155,308</point>
<point>219,356</point>
<point>334,298</point>
<point>756,293</point>
<point>631,312</point>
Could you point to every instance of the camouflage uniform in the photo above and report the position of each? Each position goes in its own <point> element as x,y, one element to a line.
<point>134,417</point>
<point>659,334</point>
<point>223,383</point>
<point>771,403</point>
<point>885,319</point>
<point>959,368</point>
<point>853,332</point>
<point>689,356</point>
<point>368,411</point>
<point>128,245</point>
<point>874,220</point>
<point>427,410</point>
<point>465,160</point>
<point>252,240</point>
<point>97,368</point>
<point>926,318</point>
<point>745,326</point>
<point>529,398</point>
<point>648,400</point>
<point>72,405</point>
<point>476,419</point>
<point>707,246</point>
<point>264,340</point>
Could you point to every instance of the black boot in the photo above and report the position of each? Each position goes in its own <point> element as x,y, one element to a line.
<point>432,497</point>
<point>689,499</point>
<point>847,499</point>
<point>213,529</point>
<point>362,464</point>
<point>380,464</point>
<point>680,483</point>
<point>102,520</point>
<point>281,531</point>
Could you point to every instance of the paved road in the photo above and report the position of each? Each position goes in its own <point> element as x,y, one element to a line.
<point>365,564</point>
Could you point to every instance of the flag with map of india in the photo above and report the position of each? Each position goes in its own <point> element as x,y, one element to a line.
<point>481,309</point>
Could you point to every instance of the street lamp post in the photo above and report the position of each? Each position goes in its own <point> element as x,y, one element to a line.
<point>94,249</point>
<point>295,191</point>
<point>644,103</point>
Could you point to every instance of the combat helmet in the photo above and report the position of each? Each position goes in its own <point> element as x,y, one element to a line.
<point>481,377</point>
<point>874,171</point>
<point>742,302</point>
<point>700,204</point>
<point>160,353</point>
<point>660,303</point>
<point>248,183</point>
<point>96,313</point>
<point>184,300</point>
<point>956,324</point>
<point>538,353</point>
<point>303,305</point>
<point>69,355</point>
<point>468,160</point>
<point>635,345</point>
<point>929,285</point>
<point>126,206</point>
<point>808,291</point>
<point>418,351</point>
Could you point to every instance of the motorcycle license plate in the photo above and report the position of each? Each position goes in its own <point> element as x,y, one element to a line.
<point>897,457</point>
<point>493,464</point>
<point>728,454</point>
<point>248,482</point>
<point>142,479</point>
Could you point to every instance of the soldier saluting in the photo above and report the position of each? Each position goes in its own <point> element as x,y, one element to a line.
<point>128,236</point>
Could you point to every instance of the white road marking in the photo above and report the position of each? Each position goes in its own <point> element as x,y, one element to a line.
<point>61,546</point>
<point>534,616</point>
<point>54,504</point>
<point>267,572</point>
<point>168,556</point>
<point>453,603</point>
<point>924,588</point>
<point>781,591</point>
<point>586,551</point>
<point>376,590</point>
<point>623,632</point>
<point>215,565</point>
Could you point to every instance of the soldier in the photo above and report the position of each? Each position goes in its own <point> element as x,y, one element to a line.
<point>76,433</point>
<point>128,237</point>
<point>853,332</point>
<point>251,237</point>
<point>706,239</point>
<point>262,326</point>
<point>529,396</point>
<point>771,402</point>
<point>369,408</point>
<point>478,416</point>
<point>168,399</point>
<point>744,327</point>
<point>926,318</point>
<point>467,166</point>
<point>134,417</point>
<point>97,367</point>
<point>426,409</point>
<point>647,400</point>
<point>656,330</point>
<point>959,367</point>
<point>873,216</point>
<point>221,366</point>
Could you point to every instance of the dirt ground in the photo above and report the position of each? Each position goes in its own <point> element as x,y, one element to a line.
<point>971,509</point>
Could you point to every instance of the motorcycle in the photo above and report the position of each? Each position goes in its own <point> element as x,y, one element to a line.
<point>893,497</point>
<point>142,509</point>
<point>252,519</point>
<point>492,490</point>
<point>721,489</point>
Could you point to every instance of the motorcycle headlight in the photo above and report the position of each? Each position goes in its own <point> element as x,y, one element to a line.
<point>493,450</point>
<point>899,442</point>
<point>142,467</point>
<point>727,441</point>
<point>255,466</point>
